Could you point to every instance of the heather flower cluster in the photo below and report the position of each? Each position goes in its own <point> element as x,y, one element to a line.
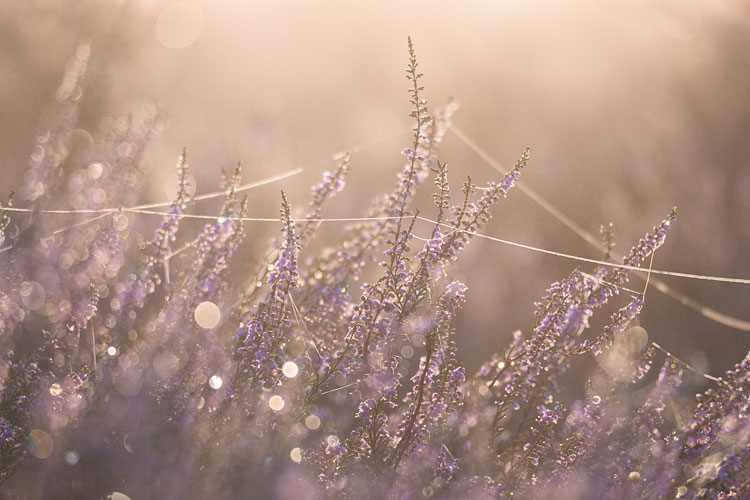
<point>131,368</point>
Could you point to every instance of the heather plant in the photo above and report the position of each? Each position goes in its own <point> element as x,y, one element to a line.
<point>132,366</point>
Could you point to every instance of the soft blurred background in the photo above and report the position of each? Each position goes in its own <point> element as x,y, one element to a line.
<point>630,107</point>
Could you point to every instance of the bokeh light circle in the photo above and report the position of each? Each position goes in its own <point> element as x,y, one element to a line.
<point>179,24</point>
<point>207,315</point>
<point>276,403</point>
<point>40,444</point>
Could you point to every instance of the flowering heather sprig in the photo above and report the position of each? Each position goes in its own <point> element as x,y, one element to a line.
<point>594,290</point>
<point>582,427</point>
<point>419,113</point>
<point>11,313</point>
<point>373,437</point>
<point>322,193</point>
<point>539,351</point>
<point>439,125</point>
<point>370,440</point>
<point>469,217</point>
<point>649,416</point>
<point>607,235</point>
<point>53,145</point>
<point>285,272</point>
<point>415,161</point>
<point>347,262</point>
<point>5,218</point>
<point>529,378</point>
<point>20,385</point>
<point>523,382</point>
<point>213,249</point>
<point>728,399</point>
<point>561,317</point>
<point>436,385</point>
<point>727,479</point>
<point>443,196</point>
<point>644,364</point>
<point>166,233</point>
<point>120,164</point>
<point>367,327</point>
<point>719,427</point>
<point>331,184</point>
<point>258,350</point>
<point>416,283</point>
<point>618,323</point>
<point>20,388</point>
<point>447,466</point>
<point>213,277</point>
<point>624,451</point>
<point>638,254</point>
<point>104,262</point>
<point>383,438</point>
<point>231,184</point>
<point>591,292</point>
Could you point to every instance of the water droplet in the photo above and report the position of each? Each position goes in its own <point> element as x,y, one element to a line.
<point>290,369</point>
<point>296,455</point>
<point>207,315</point>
